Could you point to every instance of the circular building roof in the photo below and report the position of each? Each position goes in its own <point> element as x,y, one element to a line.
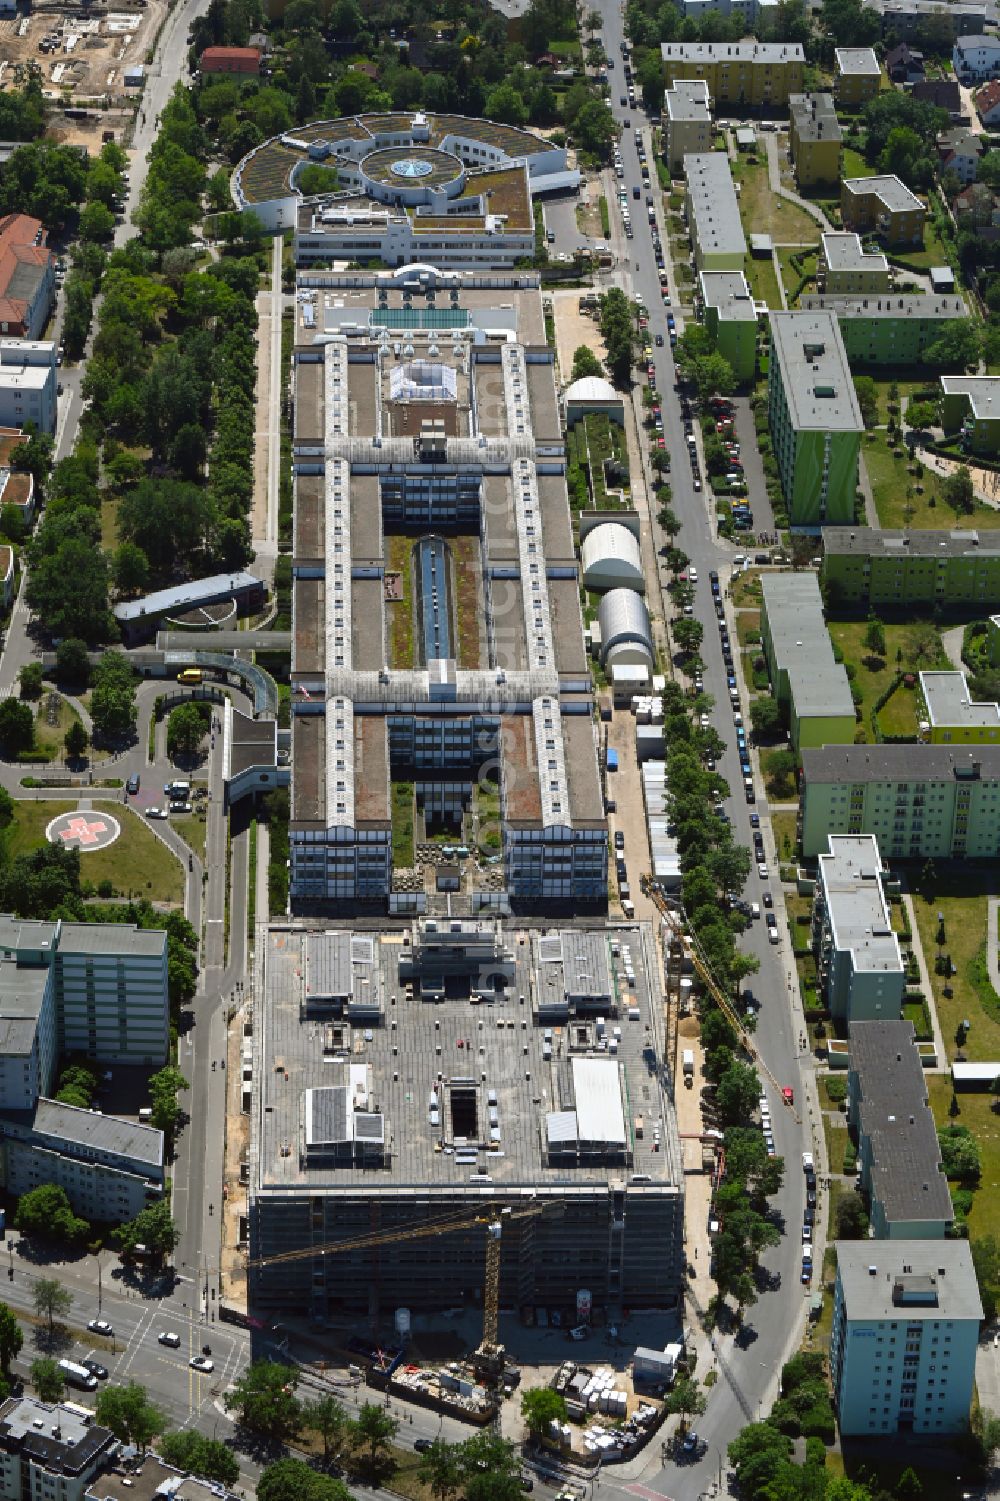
<point>610,555</point>
<point>592,388</point>
<point>411,166</point>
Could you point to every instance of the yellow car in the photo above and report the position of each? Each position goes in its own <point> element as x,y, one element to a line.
<point>191,676</point>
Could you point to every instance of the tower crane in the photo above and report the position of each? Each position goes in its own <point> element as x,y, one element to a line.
<point>673,919</point>
<point>489,1358</point>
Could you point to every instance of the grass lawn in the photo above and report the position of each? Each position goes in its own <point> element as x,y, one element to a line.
<point>853,164</point>
<point>790,276</point>
<point>899,715</point>
<point>763,281</point>
<point>464,550</point>
<point>109,525</point>
<point>976,1112</point>
<point>193,829</point>
<point>874,674</point>
<point>785,221</point>
<point>961,898</point>
<point>747,591</point>
<point>837,1140</point>
<point>136,862</point>
<point>890,478</point>
<point>783,825</point>
<point>747,624</point>
<point>49,733</point>
<point>905,387</point>
<point>932,254</point>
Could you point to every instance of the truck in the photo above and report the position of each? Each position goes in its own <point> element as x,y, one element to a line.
<point>687,1061</point>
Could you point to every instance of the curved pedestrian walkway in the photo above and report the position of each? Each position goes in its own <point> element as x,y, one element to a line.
<point>992,962</point>
<point>775,184</point>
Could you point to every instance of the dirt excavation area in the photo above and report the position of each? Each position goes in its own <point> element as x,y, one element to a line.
<point>82,57</point>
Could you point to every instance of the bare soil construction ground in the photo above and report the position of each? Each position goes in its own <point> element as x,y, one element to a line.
<point>82,58</point>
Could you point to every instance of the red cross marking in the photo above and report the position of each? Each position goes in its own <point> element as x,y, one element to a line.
<point>79,828</point>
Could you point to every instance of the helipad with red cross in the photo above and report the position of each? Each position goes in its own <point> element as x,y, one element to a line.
<point>84,830</point>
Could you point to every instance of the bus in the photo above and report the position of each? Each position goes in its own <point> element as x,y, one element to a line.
<point>77,1375</point>
<point>190,677</point>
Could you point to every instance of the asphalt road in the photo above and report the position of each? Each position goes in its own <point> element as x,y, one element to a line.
<point>748,1369</point>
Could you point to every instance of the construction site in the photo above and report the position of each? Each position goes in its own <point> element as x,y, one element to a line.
<point>457,1105</point>
<point>91,59</point>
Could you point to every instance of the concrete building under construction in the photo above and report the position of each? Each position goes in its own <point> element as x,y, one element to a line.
<point>439,1075</point>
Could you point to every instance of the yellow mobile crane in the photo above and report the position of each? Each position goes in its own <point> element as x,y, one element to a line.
<point>488,1360</point>
<point>673,919</point>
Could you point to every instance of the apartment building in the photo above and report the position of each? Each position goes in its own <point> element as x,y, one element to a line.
<point>814,139</point>
<point>899,1157</point>
<point>904,18</point>
<point>759,75</point>
<point>686,122</point>
<point>971,406</point>
<point>858,76</point>
<point>750,12</point>
<point>890,328</point>
<point>846,269</point>
<point>975,58</point>
<point>50,1452</point>
<point>110,1168</point>
<point>27,277</point>
<point>882,206</point>
<point>815,419</point>
<point>906,1319</point>
<point>28,384</point>
<point>805,678</point>
<point>939,802</point>
<point>859,967</point>
<point>713,211</point>
<point>731,319</point>
<point>946,570</point>
<point>949,715</point>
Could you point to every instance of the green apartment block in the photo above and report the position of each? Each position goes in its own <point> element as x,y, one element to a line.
<point>731,319</point>
<point>859,967</point>
<point>815,419</point>
<point>713,212</point>
<point>939,802</point>
<point>805,677</point>
<point>891,329</point>
<point>971,406</point>
<point>948,570</point>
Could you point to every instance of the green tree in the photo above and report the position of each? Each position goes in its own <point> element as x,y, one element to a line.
<point>958,491</point>
<point>765,716</point>
<point>440,1468</point>
<point>52,1301</point>
<point>11,1337</point>
<point>76,741</point>
<point>72,663</point>
<point>686,1399</point>
<point>264,1396</point>
<point>112,700</point>
<point>164,1087</point>
<point>585,363</point>
<point>780,770</point>
<point>129,569</point>
<point>47,1379</point>
<point>30,678</point>
<point>46,1211</point>
<point>208,1457</point>
<point>17,728</point>
<point>688,634</point>
<point>852,1222</point>
<point>131,1416</point>
<point>374,1428</point>
<point>185,730</point>
<point>294,1480</point>
<point>875,637</point>
<point>154,1228</point>
<point>957,347</point>
<point>737,1093</point>
<point>540,1408</point>
<point>491,1468</point>
<point>327,1417</point>
<point>960,1153</point>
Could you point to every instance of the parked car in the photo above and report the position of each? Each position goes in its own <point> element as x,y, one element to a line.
<point>100,1326</point>
<point>168,1337</point>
